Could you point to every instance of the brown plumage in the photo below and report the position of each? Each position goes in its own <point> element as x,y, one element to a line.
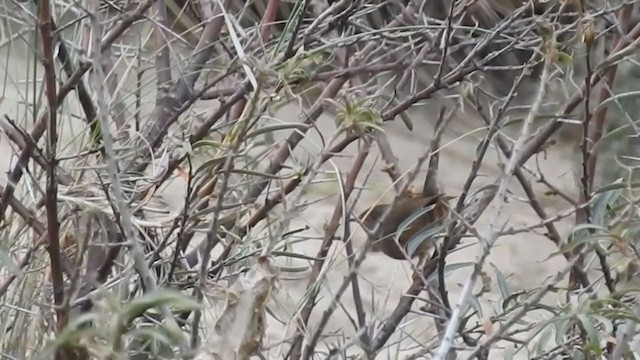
<point>404,208</point>
<point>413,212</point>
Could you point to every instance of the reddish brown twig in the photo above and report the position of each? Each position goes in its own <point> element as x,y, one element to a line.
<point>329,233</point>
<point>53,244</point>
<point>591,136</point>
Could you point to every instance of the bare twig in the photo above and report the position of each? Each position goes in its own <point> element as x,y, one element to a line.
<point>180,92</point>
<point>163,58</point>
<point>212,233</point>
<point>133,242</point>
<point>329,234</point>
<point>391,166</point>
<point>536,143</point>
<point>547,222</point>
<point>445,41</point>
<point>53,244</point>
<point>488,242</point>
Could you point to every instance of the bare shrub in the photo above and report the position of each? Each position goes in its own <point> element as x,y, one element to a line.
<point>182,179</point>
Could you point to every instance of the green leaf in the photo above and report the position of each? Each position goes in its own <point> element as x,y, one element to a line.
<point>448,269</point>
<point>505,290</point>
<point>416,214</point>
<point>594,335</point>
<point>475,304</point>
<point>616,186</point>
<point>392,100</point>
<point>426,234</point>
<point>294,255</point>
<point>543,340</point>
<point>274,316</point>
<point>277,127</point>
<point>406,120</point>
<point>565,58</point>
<point>69,335</point>
<point>262,174</point>
<point>206,144</point>
<point>210,164</point>
<point>294,269</point>
<point>606,323</point>
<point>515,297</point>
<point>156,339</point>
<point>288,28</point>
<point>139,306</point>
<point>587,234</point>
<point>603,203</point>
<point>562,325</point>
<point>95,133</point>
<point>577,355</point>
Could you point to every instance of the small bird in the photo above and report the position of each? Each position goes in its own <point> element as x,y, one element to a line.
<point>429,211</point>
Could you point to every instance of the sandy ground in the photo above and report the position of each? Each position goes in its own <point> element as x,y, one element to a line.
<point>523,259</point>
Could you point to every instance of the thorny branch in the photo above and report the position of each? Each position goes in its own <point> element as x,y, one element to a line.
<point>53,236</point>
<point>178,95</point>
<point>461,307</point>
